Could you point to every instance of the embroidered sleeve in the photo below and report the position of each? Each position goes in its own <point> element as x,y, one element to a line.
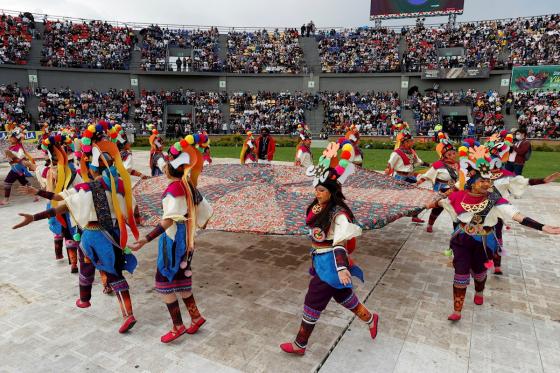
<point>446,204</point>
<point>204,212</point>
<point>507,211</point>
<point>344,230</point>
<point>341,258</point>
<point>518,185</point>
<point>174,208</point>
<point>393,160</point>
<point>430,175</point>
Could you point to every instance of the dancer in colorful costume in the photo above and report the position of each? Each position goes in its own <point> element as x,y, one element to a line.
<point>17,156</point>
<point>102,208</point>
<point>184,209</point>
<point>507,184</point>
<point>333,235</point>
<point>443,174</point>
<point>203,146</point>
<point>57,175</point>
<point>475,209</point>
<point>157,159</point>
<point>304,157</point>
<point>402,162</point>
<point>353,137</point>
<point>248,152</point>
<point>124,146</point>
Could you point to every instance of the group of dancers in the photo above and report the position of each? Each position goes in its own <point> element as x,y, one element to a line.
<point>86,182</point>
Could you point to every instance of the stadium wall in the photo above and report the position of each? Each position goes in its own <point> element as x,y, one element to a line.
<point>81,79</point>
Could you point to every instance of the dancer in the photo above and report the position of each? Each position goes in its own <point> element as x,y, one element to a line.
<point>157,159</point>
<point>183,210</point>
<point>508,185</point>
<point>16,155</point>
<point>203,146</point>
<point>332,232</point>
<point>443,174</point>
<point>476,209</point>
<point>95,205</point>
<point>248,152</point>
<point>57,175</point>
<point>353,136</point>
<point>304,157</point>
<point>126,153</point>
<point>402,162</point>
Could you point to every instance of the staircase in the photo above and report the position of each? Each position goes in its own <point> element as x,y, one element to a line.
<point>314,119</point>
<point>224,108</point>
<point>32,104</point>
<point>311,54</point>
<point>402,48</point>
<point>407,115</point>
<point>510,121</point>
<point>222,45</point>
<point>34,58</point>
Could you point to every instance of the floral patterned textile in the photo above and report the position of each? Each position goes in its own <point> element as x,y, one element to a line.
<point>271,199</point>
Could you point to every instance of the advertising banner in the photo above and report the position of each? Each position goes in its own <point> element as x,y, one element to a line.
<point>456,73</point>
<point>535,78</point>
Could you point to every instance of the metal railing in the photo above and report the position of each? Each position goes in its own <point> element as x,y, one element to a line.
<point>225,29</point>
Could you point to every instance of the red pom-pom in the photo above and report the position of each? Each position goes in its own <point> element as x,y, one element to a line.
<point>57,138</point>
<point>105,125</point>
<point>183,143</point>
<point>87,133</point>
<point>345,155</point>
<point>113,135</point>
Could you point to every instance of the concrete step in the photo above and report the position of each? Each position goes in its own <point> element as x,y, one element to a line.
<point>311,54</point>
<point>31,106</point>
<point>510,121</point>
<point>319,144</point>
<point>222,47</point>
<point>34,58</point>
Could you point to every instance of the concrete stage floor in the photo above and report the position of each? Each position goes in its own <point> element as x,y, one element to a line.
<point>250,289</point>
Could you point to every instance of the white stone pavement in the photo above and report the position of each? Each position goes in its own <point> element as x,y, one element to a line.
<point>251,290</point>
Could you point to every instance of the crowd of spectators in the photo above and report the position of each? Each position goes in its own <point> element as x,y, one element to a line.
<point>12,105</point>
<point>363,50</point>
<point>264,52</point>
<point>375,112</point>
<point>539,113</point>
<point>534,41</point>
<point>94,45</point>
<point>65,107</point>
<point>16,34</point>
<point>280,112</point>
<point>481,44</point>
<point>425,109</point>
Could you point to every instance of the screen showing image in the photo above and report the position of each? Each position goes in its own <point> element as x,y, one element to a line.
<point>412,8</point>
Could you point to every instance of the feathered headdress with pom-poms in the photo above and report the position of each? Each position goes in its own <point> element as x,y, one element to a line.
<point>330,167</point>
<point>444,145</point>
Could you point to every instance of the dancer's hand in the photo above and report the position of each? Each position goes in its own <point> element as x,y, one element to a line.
<point>144,177</point>
<point>27,218</point>
<point>344,277</point>
<point>138,244</point>
<point>547,229</point>
<point>550,178</point>
<point>28,189</point>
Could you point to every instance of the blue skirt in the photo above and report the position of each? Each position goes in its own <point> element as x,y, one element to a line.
<point>172,252</point>
<point>104,255</point>
<point>325,267</point>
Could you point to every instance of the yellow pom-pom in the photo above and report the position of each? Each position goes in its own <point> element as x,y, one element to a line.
<point>190,139</point>
<point>463,149</point>
<point>91,128</point>
<point>348,148</point>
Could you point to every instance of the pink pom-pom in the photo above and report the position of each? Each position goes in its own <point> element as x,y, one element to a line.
<point>86,148</point>
<point>489,264</point>
<point>339,170</point>
<point>183,264</point>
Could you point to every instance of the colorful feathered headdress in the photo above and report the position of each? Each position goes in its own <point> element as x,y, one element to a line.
<point>330,167</point>
<point>444,144</point>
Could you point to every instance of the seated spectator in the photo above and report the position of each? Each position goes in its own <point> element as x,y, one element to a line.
<point>264,52</point>
<point>539,113</point>
<point>364,50</point>
<point>16,34</point>
<point>12,106</point>
<point>375,113</point>
<point>93,45</point>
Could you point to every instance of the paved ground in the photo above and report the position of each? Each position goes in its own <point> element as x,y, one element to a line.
<point>251,289</point>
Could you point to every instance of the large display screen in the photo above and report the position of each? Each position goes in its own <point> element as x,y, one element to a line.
<point>383,9</point>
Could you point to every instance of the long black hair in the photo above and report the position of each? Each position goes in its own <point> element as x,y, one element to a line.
<point>323,219</point>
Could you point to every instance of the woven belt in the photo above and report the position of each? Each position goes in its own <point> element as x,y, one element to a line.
<point>405,173</point>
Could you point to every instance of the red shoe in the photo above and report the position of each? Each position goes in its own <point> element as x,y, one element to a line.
<point>498,271</point>
<point>82,304</point>
<point>417,220</point>
<point>74,270</point>
<point>429,229</point>
<point>289,348</point>
<point>173,334</point>
<point>195,326</point>
<point>454,317</point>
<point>373,327</point>
<point>127,324</point>
<point>478,300</point>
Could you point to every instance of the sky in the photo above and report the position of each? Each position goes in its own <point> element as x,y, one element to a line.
<point>256,13</point>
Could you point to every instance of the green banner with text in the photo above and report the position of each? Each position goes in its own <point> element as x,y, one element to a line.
<point>535,78</point>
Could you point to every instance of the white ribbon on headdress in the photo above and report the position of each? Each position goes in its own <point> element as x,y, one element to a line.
<point>95,154</point>
<point>349,170</point>
<point>182,159</point>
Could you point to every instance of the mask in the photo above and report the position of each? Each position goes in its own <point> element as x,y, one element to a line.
<point>519,136</point>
